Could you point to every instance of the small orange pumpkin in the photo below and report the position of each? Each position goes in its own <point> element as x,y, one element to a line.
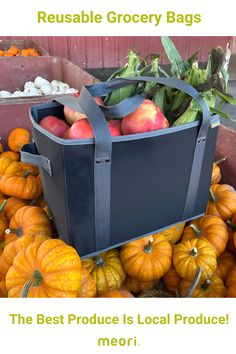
<point>213,287</point>
<point>34,171</point>
<point>136,286</point>
<point>216,173</point>
<point>13,155</point>
<point>9,166</point>
<point>172,280</point>
<point>88,285</point>
<point>148,258</point>
<point>23,187</point>
<point>17,138</point>
<point>191,254</point>
<point>222,201</point>
<point>173,233</point>
<point>117,294</point>
<point>30,221</point>
<point>13,248</point>
<point>210,228</point>
<point>224,263</point>
<point>106,270</point>
<point>231,277</point>
<point>12,205</point>
<point>51,269</point>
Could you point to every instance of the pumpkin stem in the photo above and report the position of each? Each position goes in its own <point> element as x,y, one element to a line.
<point>196,230</point>
<point>212,197</point>
<point>194,252</point>
<point>148,248</point>
<point>3,205</point>
<point>18,232</point>
<point>99,262</point>
<point>26,174</point>
<point>194,283</point>
<point>35,281</point>
<point>206,284</point>
<point>230,224</point>
<point>218,162</point>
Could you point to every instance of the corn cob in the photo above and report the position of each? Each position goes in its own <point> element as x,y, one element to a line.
<point>128,70</point>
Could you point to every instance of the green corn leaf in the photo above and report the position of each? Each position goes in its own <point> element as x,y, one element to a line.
<point>220,113</point>
<point>179,66</point>
<point>225,97</point>
<point>225,78</point>
<point>159,97</point>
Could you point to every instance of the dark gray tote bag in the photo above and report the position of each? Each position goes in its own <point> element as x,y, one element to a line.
<point>107,191</point>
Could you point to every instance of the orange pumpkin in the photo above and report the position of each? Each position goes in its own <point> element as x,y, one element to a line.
<point>116,293</point>
<point>174,233</point>
<point>9,166</point>
<point>136,286</point>
<point>12,205</point>
<point>210,228</point>
<point>13,50</point>
<point>216,173</point>
<point>30,221</point>
<point>148,258</point>
<point>231,291</point>
<point>1,53</point>
<point>231,277</point>
<point>222,201</point>
<point>24,187</point>
<point>51,269</point>
<point>224,263</point>
<point>1,146</point>
<point>213,287</point>
<point>172,280</point>
<point>13,248</point>
<point>88,285</point>
<point>17,138</point>
<point>191,254</point>
<point>13,155</point>
<point>106,270</point>
<point>34,171</point>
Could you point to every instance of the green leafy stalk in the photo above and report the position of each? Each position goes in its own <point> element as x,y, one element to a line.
<point>128,70</point>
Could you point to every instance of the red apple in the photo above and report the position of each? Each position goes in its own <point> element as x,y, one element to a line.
<point>72,116</point>
<point>54,125</point>
<point>145,118</point>
<point>82,129</point>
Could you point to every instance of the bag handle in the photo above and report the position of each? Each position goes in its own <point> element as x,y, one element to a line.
<point>101,89</point>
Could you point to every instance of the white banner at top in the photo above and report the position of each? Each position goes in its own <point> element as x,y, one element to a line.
<point>117,18</point>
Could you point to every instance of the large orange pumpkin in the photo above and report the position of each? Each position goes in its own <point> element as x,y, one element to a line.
<point>17,138</point>
<point>210,228</point>
<point>24,187</point>
<point>117,293</point>
<point>173,233</point>
<point>51,269</point>
<point>88,285</point>
<point>224,263</point>
<point>148,258</point>
<point>189,255</point>
<point>222,201</point>
<point>213,287</point>
<point>34,171</point>
<point>106,270</point>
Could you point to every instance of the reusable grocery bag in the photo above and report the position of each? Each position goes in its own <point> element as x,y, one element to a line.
<point>107,191</point>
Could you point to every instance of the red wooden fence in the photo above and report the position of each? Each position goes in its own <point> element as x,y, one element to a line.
<point>100,52</point>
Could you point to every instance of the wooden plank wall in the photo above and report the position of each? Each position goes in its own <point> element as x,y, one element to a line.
<point>107,52</point>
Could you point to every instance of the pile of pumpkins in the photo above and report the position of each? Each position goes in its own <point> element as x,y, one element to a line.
<point>197,259</point>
